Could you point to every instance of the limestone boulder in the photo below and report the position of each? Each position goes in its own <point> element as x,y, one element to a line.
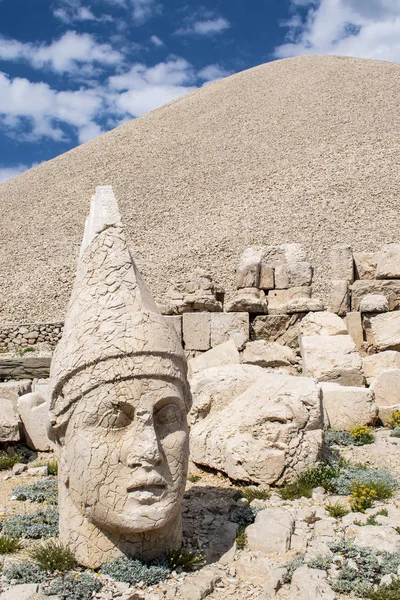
<point>339,298</point>
<point>270,327</point>
<point>271,531</point>
<point>224,354</point>
<point>389,288</point>
<point>386,388</point>
<point>264,435</point>
<point>310,584</point>
<point>250,300</point>
<point>375,364</point>
<point>388,266</point>
<point>12,390</point>
<point>196,330</point>
<point>230,326</point>
<point>374,303</point>
<point>342,263</point>
<point>278,300</point>
<point>365,264</point>
<point>377,538</point>
<point>355,328</point>
<point>214,388</point>
<point>322,323</point>
<point>347,407</point>
<point>9,421</point>
<point>304,305</point>
<point>33,409</point>
<point>293,274</point>
<point>248,271</point>
<point>332,358</point>
<point>26,367</point>
<point>383,331</point>
<point>268,354</point>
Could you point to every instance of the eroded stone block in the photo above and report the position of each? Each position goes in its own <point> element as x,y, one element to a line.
<point>388,265</point>
<point>230,326</point>
<point>33,410</point>
<point>342,263</point>
<point>267,278</point>
<point>346,407</point>
<point>389,288</point>
<point>9,421</point>
<point>386,387</point>
<point>293,274</point>
<point>224,354</point>
<point>323,323</point>
<point>339,298</point>
<point>374,303</point>
<point>355,328</point>
<point>332,358</point>
<point>365,264</point>
<point>375,364</point>
<point>383,331</point>
<point>250,300</point>
<point>196,331</point>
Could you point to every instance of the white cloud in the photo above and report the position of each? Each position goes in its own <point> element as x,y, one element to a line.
<point>7,173</point>
<point>213,73</point>
<point>205,27</point>
<point>72,10</point>
<point>362,28</point>
<point>156,41</point>
<point>69,54</point>
<point>42,110</point>
<point>142,10</point>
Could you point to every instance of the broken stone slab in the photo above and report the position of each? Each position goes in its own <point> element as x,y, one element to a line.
<point>293,274</point>
<point>249,267</point>
<point>12,390</point>
<point>310,584</point>
<point>230,326</point>
<point>389,288</point>
<point>23,591</point>
<point>355,328</point>
<point>374,303</point>
<point>388,265</point>
<point>196,331</point>
<point>322,323</point>
<point>19,468</point>
<point>305,305</point>
<point>213,388</point>
<point>9,422</point>
<point>375,364</point>
<point>224,354</point>
<point>252,568</point>
<point>268,354</point>
<point>331,358</point>
<point>266,434</point>
<point>267,278</point>
<point>273,582</point>
<point>199,585</point>
<point>33,410</point>
<point>365,265</point>
<point>271,531</point>
<point>386,387</point>
<point>377,538</point>
<point>342,263</point>
<point>42,471</point>
<point>26,367</point>
<point>278,299</point>
<point>283,253</point>
<point>339,297</point>
<point>348,407</point>
<point>270,327</point>
<point>383,331</point>
<point>250,300</point>
<point>176,322</point>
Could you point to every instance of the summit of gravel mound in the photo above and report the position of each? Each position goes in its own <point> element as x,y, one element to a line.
<point>298,150</point>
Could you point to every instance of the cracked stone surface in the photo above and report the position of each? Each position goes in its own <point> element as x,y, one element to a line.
<point>118,405</point>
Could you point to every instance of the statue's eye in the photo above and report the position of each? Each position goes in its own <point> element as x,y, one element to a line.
<point>168,414</point>
<point>120,416</point>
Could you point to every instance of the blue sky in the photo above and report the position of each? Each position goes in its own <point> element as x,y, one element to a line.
<point>73,69</point>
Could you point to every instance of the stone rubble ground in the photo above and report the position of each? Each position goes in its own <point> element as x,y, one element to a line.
<point>254,572</point>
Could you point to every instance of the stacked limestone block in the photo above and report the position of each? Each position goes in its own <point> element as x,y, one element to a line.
<point>23,336</point>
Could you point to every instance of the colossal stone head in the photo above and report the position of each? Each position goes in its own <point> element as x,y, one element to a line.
<point>118,406</point>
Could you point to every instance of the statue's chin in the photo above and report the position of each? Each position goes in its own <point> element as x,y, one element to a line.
<point>144,519</point>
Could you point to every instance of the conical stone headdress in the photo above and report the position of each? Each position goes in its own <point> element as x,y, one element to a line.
<point>113,329</point>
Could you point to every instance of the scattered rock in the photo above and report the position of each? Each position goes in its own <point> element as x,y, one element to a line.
<point>224,354</point>
<point>271,532</point>
<point>377,538</point>
<point>9,422</point>
<point>386,387</point>
<point>199,585</point>
<point>375,364</point>
<point>33,410</point>
<point>322,323</point>
<point>43,471</point>
<point>250,300</point>
<point>332,358</point>
<point>347,407</point>
<point>310,584</point>
<point>388,265</point>
<point>374,303</point>
<point>268,354</point>
<point>383,331</point>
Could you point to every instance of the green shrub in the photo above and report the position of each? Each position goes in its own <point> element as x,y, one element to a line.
<point>185,559</point>
<point>390,591</point>
<point>9,545</point>
<point>243,515</point>
<point>338,438</point>
<point>319,476</point>
<point>193,478</point>
<point>252,492</point>
<point>40,524</point>
<point>382,482</point>
<point>24,572</point>
<point>336,509</point>
<point>45,490</point>
<point>79,586</point>
<point>394,419</point>
<point>132,571</point>
<point>291,567</point>
<point>53,556</point>
<point>241,538</point>
<point>362,435</point>
<point>52,467</point>
<point>8,459</point>
<point>395,432</point>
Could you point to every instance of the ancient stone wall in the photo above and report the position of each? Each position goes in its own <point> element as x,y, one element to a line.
<point>29,334</point>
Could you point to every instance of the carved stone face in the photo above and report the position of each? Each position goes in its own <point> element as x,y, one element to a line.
<point>126,448</point>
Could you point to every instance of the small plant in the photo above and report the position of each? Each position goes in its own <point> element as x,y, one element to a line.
<point>362,498</point>
<point>388,591</point>
<point>395,432</point>
<point>381,481</point>
<point>184,559</point>
<point>132,571</point>
<point>338,438</point>
<point>193,478</point>
<point>9,545</point>
<point>318,476</point>
<point>252,492</point>
<point>53,556</point>
<point>52,467</point>
<point>40,524</point>
<point>362,435</point>
<point>8,459</point>
<point>291,567</point>
<point>79,586</point>
<point>24,572</point>
<point>45,490</point>
<point>336,509</point>
<point>241,538</point>
<point>394,419</point>
<point>312,518</point>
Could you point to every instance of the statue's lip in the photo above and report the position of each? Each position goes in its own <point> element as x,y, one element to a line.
<point>147,485</point>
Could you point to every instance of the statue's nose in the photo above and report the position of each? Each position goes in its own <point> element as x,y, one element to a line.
<point>142,447</point>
